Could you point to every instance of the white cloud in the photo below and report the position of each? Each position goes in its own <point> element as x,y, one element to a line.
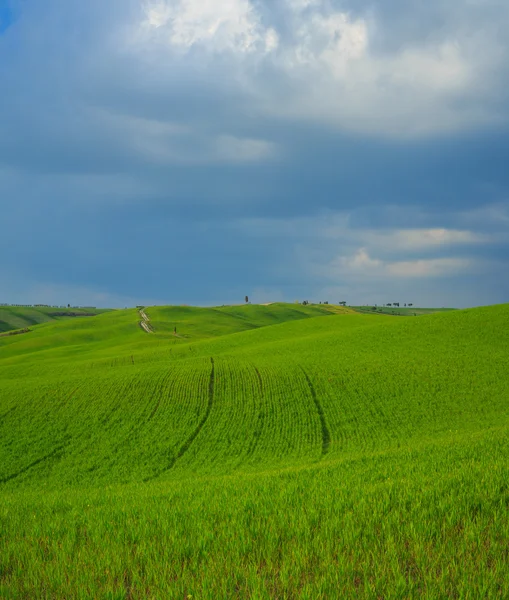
<point>435,267</point>
<point>338,78</point>
<point>364,255</point>
<point>300,5</point>
<point>362,264</point>
<point>330,70</point>
<point>219,25</point>
<point>419,239</point>
<point>359,262</point>
<point>337,227</point>
<point>329,44</point>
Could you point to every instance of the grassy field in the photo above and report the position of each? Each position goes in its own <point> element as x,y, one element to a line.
<point>194,323</point>
<point>271,452</point>
<point>21,317</point>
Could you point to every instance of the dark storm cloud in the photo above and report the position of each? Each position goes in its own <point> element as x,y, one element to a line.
<point>131,162</point>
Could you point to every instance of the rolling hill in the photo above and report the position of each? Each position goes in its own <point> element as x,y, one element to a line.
<point>195,323</point>
<point>279,451</point>
<point>21,317</point>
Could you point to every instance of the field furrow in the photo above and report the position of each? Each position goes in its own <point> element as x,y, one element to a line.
<point>323,423</point>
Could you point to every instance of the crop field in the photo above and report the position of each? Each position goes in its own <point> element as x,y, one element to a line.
<point>268,452</point>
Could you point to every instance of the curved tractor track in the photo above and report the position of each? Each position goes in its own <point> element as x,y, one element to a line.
<point>187,443</point>
<point>326,437</point>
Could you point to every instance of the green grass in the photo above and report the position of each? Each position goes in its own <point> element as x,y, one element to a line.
<point>276,452</point>
<point>196,323</point>
<point>21,317</point>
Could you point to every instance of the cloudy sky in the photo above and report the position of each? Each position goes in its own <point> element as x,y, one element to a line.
<point>195,151</point>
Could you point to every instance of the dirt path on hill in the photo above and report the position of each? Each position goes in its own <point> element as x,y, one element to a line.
<point>145,322</point>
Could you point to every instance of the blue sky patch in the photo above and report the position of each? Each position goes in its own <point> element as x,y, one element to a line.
<point>6,15</point>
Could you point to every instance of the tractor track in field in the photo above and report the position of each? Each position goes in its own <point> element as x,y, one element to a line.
<point>187,444</point>
<point>143,421</point>
<point>261,417</point>
<point>199,427</point>
<point>56,452</point>
<point>3,417</point>
<point>319,409</point>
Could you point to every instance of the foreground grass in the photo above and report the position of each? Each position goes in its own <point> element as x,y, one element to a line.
<point>430,522</point>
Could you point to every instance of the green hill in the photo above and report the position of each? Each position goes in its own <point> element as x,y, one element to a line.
<point>268,452</point>
<point>21,317</point>
<point>193,323</point>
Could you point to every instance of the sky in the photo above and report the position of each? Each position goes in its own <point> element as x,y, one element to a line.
<point>197,151</point>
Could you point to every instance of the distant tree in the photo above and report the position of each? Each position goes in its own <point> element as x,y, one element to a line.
<point>395,304</point>
<point>389,304</point>
<point>68,306</point>
<point>326,302</point>
<point>247,299</point>
<point>410,304</point>
<point>342,303</point>
<point>374,308</point>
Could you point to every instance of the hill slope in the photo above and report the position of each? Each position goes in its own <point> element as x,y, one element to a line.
<point>20,317</point>
<point>196,323</point>
<point>342,453</point>
<point>286,394</point>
